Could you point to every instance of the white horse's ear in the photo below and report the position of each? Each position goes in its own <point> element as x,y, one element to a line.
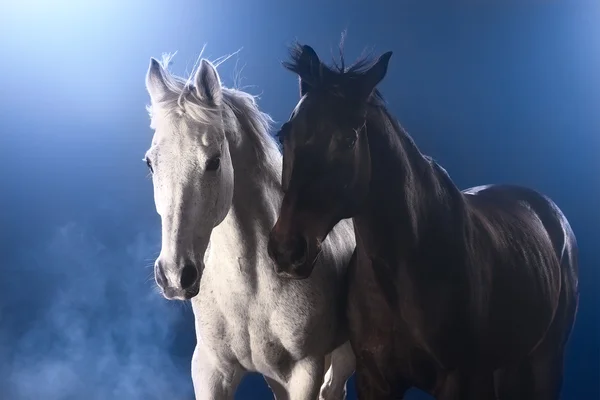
<point>208,83</point>
<point>155,81</point>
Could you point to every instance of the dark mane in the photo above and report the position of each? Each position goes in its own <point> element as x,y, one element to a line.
<point>330,78</point>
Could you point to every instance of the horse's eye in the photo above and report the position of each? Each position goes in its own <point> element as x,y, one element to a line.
<point>149,164</point>
<point>349,142</point>
<point>213,164</point>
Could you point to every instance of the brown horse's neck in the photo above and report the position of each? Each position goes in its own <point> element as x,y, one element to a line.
<point>411,200</point>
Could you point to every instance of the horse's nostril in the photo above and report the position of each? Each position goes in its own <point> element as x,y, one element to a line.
<point>299,250</point>
<point>159,276</point>
<point>189,275</point>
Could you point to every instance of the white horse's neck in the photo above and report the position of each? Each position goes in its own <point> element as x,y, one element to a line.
<point>237,248</point>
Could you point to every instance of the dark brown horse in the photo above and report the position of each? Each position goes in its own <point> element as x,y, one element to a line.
<point>466,295</point>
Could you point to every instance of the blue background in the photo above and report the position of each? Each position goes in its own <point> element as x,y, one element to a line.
<point>496,91</point>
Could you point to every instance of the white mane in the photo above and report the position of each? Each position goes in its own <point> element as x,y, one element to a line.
<point>182,99</point>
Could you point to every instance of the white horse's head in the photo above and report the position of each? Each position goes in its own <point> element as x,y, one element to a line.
<point>192,172</point>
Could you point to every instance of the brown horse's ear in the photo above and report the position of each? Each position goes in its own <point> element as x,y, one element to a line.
<point>311,68</point>
<point>306,64</point>
<point>375,74</point>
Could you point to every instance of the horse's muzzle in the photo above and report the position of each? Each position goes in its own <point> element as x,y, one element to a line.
<point>179,283</point>
<point>290,255</point>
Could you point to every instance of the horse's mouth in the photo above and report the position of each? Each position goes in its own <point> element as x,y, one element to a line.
<point>303,271</point>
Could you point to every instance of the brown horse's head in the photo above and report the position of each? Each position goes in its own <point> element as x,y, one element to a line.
<point>326,159</point>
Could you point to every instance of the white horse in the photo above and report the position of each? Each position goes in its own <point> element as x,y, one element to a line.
<point>217,188</point>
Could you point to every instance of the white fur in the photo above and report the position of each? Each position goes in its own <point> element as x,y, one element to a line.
<point>247,318</point>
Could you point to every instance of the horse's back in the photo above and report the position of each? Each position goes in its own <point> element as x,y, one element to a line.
<point>531,259</point>
<point>529,204</point>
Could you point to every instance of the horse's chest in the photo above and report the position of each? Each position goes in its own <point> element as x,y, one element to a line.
<point>257,336</point>
<point>386,325</point>
<point>378,305</point>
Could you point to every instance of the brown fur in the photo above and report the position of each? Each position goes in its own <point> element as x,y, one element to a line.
<point>467,295</point>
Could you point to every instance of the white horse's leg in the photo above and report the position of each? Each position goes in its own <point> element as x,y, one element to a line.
<point>277,388</point>
<point>211,383</point>
<point>342,366</point>
<point>306,378</point>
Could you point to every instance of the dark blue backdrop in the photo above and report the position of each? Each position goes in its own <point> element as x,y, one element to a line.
<point>496,91</point>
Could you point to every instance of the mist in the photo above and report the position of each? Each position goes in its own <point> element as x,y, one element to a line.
<point>91,324</point>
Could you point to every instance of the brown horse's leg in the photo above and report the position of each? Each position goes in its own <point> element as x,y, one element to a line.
<point>370,385</point>
<point>400,388</point>
<point>515,382</point>
<point>547,371</point>
<point>478,385</point>
<point>372,381</point>
<point>537,378</point>
<point>547,360</point>
<point>449,389</point>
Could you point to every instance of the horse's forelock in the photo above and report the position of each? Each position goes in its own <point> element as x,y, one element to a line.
<point>328,78</point>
